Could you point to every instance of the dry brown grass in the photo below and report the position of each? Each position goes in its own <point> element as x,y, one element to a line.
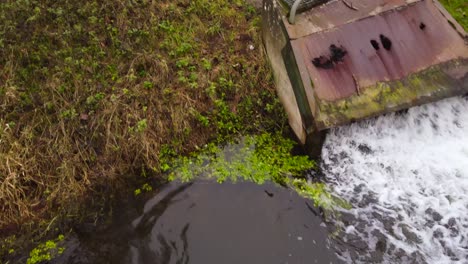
<point>94,92</point>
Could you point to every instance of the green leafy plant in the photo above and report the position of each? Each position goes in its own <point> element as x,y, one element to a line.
<point>46,251</point>
<point>182,63</point>
<point>141,125</point>
<point>148,85</point>
<point>144,188</point>
<point>94,99</point>
<point>207,64</point>
<point>261,158</point>
<point>69,114</point>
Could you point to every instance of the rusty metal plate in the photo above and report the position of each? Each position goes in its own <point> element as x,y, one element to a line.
<point>404,41</point>
<point>339,12</point>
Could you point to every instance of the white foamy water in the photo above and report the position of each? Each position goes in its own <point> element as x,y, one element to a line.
<point>406,176</point>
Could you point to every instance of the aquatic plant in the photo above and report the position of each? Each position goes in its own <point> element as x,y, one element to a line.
<point>46,251</point>
<point>258,159</point>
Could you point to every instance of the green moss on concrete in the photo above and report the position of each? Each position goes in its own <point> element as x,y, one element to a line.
<point>423,87</point>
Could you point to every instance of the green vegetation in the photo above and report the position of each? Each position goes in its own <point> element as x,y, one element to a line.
<point>46,251</point>
<point>459,10</point>
<point>7,246</point>
<point>145,187</point>
<point>93,93</point>
<point>255,158</point>
<point>261,158</point>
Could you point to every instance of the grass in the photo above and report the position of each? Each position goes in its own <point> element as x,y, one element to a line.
<point>459,10</point>
<point>93,93</point>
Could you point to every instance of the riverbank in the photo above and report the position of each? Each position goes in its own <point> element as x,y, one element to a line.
<point>97,97</point>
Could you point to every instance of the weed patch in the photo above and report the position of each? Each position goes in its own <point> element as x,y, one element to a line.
<point>94,92</point>
<point>261,158</point>
<point>46,251</point>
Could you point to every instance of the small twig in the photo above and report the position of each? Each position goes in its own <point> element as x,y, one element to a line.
<point>349,5</point>
<point>48,226</point>
<point>356,83</point>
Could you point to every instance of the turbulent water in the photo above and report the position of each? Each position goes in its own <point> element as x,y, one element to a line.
<point>406,175</point>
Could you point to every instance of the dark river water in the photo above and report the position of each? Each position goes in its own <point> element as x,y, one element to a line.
<point>205,222</point>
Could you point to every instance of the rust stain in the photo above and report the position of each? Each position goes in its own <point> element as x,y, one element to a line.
<point>336,13</point>
<point>409,39</point>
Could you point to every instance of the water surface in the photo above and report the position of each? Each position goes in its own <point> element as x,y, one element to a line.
<point>406,175</point>
<point>205,222</point>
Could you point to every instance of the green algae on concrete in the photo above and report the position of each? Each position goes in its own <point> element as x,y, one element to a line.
<point>426,86</point>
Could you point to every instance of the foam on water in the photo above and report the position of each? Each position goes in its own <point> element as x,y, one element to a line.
<point>406,176</point>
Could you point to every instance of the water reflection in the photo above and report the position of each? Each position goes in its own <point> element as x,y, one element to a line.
<point>205,222</point>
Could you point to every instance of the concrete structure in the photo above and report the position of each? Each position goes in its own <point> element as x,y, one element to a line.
<point>347,60</point>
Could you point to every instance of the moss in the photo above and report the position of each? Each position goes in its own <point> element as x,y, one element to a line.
<point>384,97</point>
